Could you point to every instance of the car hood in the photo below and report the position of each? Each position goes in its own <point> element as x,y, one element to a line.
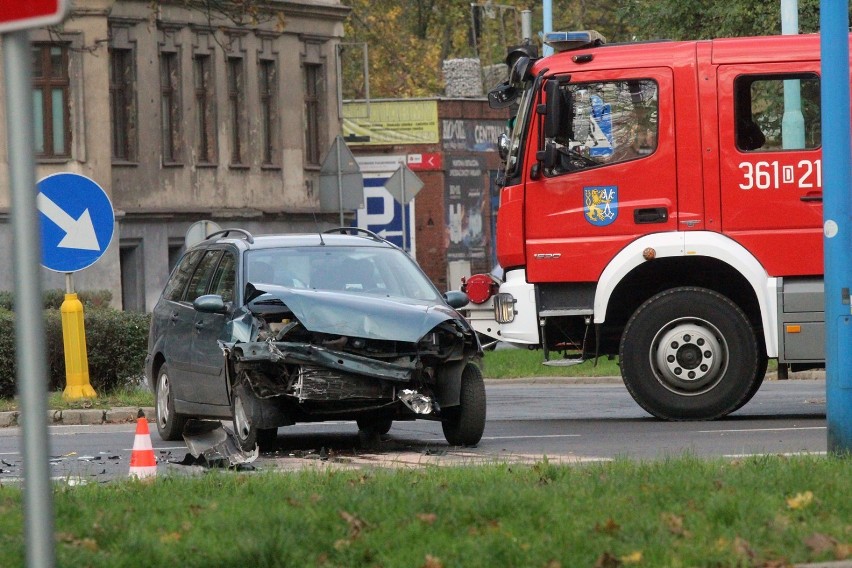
<point>357,315</point>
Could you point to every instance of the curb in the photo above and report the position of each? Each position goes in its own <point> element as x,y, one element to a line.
<point>83,417</point>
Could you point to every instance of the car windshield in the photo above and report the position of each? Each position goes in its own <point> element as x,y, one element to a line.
<point>358,270</point>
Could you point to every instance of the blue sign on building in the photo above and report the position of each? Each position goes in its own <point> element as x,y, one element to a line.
<point>382,214</point>
<point>77,221</point>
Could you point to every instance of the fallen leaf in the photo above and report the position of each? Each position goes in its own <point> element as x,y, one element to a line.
<point>553,564</point>
<point>607,560</point>
<point>634,557</point>
<point>743,548</point>
<point>800,500</point>
<point>842,551</point>
<point>428,518</point>
<point>169,538</point>
<point>609,527</point>
<point>356,525</point>
<point>432,562</point>
<point>820,543</point>
<point>86,543</point>
<point>674,523</point>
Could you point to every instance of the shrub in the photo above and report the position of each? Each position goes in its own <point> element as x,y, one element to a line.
<point>116,344</point>
<point>53,298</point>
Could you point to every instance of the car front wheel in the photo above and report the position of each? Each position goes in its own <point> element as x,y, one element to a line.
<point>169,423</point>
<point>465,423</point>
<point>249,435</point>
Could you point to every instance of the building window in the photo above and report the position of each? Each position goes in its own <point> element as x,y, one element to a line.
<point>268,110</point>
<point>51,100</point>
<point>170,106</point>
<point>313,97</point>
<point>122,104</point>
<point>205,107</point>
<point>236,102</point>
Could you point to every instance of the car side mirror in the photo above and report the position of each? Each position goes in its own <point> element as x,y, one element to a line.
<point>547,157</point>
<point>210,304</point>
<point>456,299</point>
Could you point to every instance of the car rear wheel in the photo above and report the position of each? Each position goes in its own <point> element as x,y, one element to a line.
<point>249,435</point>
<point>169,423</point>
<point>465,424</point>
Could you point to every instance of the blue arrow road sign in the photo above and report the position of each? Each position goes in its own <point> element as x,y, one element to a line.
<point>77,221</point>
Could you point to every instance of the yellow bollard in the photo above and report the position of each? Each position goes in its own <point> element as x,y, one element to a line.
<point>74,339</point>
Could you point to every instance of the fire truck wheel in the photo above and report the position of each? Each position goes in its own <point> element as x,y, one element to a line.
<point>762,364</point>
<point>690,354</point>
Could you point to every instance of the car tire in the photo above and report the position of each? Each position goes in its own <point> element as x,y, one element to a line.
<point>465,423</point>
<point>380,427</point>
<point>169,423</point>
<point>248,435</point>
<point>689,354</point>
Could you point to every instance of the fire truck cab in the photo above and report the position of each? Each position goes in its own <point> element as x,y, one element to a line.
<point>662,202</point>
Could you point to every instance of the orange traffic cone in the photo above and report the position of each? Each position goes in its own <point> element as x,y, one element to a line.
<point>143,463</point>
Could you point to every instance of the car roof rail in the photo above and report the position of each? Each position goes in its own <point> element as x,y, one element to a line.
<point>356,230</point>
<point>225,232</point>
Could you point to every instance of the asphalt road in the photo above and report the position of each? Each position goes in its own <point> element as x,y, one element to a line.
<point>564,422</point>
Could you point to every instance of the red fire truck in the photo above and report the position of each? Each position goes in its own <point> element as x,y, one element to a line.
<point>662,202</point>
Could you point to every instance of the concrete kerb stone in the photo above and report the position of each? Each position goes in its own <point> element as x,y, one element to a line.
<point>82,417</point>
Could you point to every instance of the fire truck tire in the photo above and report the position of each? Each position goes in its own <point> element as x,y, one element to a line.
<point>762,364</point>
<point>690,354</point>
<point>464,424</point>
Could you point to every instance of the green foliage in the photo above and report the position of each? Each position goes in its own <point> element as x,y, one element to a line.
<point>676,512</point>
<point>116,344</point>
<point>525,363</point>
<point>408,40</point>
<point>707,19</point>
<point>52,299</point>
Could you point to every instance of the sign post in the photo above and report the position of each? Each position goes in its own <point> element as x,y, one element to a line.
<point>837,206</point>
<point>403,185</point>
<point>77,223</point>
<point>29,325</point>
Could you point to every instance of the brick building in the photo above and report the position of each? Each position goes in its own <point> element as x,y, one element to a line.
<point>451,144</point>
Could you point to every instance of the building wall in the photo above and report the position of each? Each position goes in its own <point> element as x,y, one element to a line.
<point>156,201</point>
<point>466,130</point>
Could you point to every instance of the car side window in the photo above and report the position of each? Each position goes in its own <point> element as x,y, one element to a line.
<point>177,284</point>
<point>202,275</point>
<point>225,277</point>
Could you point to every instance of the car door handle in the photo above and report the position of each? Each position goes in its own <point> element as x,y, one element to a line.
<point>174,317</point>
<point>199,325</point>
<point>811,197</point>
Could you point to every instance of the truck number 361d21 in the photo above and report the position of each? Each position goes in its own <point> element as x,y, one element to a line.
<point>772,175</point>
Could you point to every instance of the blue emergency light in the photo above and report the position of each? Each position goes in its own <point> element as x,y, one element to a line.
<point>569,41</point>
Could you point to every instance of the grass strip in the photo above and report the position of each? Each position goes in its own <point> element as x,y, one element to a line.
<point>766,511</point>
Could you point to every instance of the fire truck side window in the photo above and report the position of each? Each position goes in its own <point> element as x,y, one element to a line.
<point>760,123</point>
<point>613,121</point>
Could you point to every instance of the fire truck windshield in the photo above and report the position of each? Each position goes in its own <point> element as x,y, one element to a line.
<point>518,126</point>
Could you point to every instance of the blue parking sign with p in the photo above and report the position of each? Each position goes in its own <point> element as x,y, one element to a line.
<point>77,221</point>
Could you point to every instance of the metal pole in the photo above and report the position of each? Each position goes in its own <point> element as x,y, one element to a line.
<point>793,121</point>
<point>29,322</point>
<point>547,17</point>
<point>402,171</point>
<point>337,144</point>
<point>526,25</point>
<point>837,180</point>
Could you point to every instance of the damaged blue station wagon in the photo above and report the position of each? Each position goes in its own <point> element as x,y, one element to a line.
<point>268,331</point>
